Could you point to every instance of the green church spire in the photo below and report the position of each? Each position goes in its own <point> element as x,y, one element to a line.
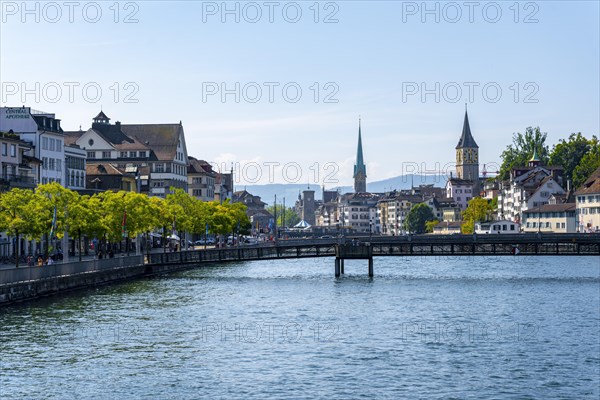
<point>359,167</point>
<point>360,170</point>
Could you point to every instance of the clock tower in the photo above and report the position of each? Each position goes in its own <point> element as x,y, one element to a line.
<point>467,157</point>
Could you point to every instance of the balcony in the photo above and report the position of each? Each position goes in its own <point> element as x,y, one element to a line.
<point>18,181</point>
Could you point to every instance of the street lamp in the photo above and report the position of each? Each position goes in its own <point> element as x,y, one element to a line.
<point>370,230</point>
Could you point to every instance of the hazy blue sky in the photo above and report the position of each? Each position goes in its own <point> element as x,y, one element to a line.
<point>371,61</point>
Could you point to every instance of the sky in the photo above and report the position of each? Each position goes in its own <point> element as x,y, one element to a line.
<point>277,88</point>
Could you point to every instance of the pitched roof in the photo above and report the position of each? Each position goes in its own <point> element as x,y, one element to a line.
<point>101,115</point>
<point>112,133</point>
<point>551,208</point>
<point>92,169</point>
<point>592,185</point>
<point>466,139</point>
<point>199,166</point>
<point>161,138</point>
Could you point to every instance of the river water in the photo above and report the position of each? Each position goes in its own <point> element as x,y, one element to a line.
<point>500,327</point>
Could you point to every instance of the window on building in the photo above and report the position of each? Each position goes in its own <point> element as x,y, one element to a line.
<point>132,154</point>
<point>106,154</point>
<point>123,154</point>
<point>58,145</point>
<point>52,164</point>
<point>91,154</point>
<point>558,225</point>
<point>52,144</point>
<point>59,165</point>
<point>512,227</point>
<point>562,225</point>
<point>142,154</point>
<point>44,143</point>
<point>13,150</point>
<point>159,167</point>
<point>4,149</point>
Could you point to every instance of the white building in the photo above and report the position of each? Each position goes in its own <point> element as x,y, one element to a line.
<point>555,218</point>
<point>43,131</point>
<point>587,199</point>
<point>528,187</point>
<point>497,227</point>
<point>157,151</point>
<point>358,211</point>
<point>461,191</point>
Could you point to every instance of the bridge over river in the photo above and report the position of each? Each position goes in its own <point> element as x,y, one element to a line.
<point>30,282</point>
<point>417,245</point>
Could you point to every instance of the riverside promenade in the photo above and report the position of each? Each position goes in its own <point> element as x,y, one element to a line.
<point>23,283</point>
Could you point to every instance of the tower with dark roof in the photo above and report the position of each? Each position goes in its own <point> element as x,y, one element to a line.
<point>101,118</point>
<point>467,157</point>
<point>360,170</point>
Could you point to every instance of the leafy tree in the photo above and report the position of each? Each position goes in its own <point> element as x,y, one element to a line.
<point>182,206</point>
<point>588,164</point>
<point>112,211</point>
<point>429,225</point>
<point>291,217</point>
<point>521,150</point>
<point>479,209</point>
<point>59,198</point>
<point>162,215</point>
<point>417,218</point>
<point>241,222</point>
<point>23,212</point>
<point>569,153</point>
<point>83,218</point>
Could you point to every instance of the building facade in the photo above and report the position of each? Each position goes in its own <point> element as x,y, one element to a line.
<point>45,135</point>
<point>588,204</point>
<point>158,151</point>
<point>556,218</point>
<point>201,179</point>
<point>17,169</point>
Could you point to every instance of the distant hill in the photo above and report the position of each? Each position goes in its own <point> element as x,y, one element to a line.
<point>290,190</point>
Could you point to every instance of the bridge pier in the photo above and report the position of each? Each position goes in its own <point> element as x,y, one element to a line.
<point>357,252</point>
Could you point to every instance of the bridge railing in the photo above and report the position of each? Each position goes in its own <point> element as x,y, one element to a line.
<point>23,274</point>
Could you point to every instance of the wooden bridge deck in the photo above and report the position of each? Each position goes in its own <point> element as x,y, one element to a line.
<point>423,245</point>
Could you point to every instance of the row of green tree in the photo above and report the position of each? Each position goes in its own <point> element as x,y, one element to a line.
<point>578,155</point>
<point>112,215</point>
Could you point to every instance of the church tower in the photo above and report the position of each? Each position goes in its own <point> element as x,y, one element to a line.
<point>360,170</point>
<point>467,157</point>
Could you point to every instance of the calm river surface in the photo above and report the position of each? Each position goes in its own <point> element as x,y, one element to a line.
<point>500,327</point>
